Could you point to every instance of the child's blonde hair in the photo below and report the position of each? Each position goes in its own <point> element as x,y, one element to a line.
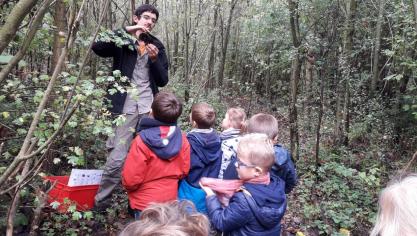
<point>397,214</point>
<point>237,117</point>
<point>257,149</point>
<point>264,124</point>
<point>177,218</point>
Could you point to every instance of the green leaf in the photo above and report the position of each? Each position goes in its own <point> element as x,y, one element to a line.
<point>77,215</point>
<point>20,219</point>
<point>120,120</point>
<point>5,114</point>
<point>22,64</point>
<point>44,77</point>
<point>72,208</point>
<point>397,77</point>
<point>88,215</point>
<point>4,59</point>
<point>55,204</point>
<point>78,151</point>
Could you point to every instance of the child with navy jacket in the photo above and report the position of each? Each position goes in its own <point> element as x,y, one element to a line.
<point>158,157</point>
<point>259,204</point>
<point>205,154</point>
<point>283,166</point>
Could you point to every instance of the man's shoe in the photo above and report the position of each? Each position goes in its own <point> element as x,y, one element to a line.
<point>102,206</point>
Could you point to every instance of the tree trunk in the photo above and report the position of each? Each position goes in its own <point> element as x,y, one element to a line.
<point>349,33</point>
<point>60,23</point>
<point>176,42</point>
<point>187,26</point>
<point>234,56</point>
<point>295,77</point>
<point>133,8</point>
<point>13,20</point>
<point>210,83</point>
<point>375,69</point>
<point>225,43</point>
<point>310,60</point>
<point>195,29</point>
<point>415,12</point>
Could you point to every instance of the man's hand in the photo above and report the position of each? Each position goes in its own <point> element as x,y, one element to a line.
<point>152,52</point>
<point>209,191</point>
<point>136,29</point>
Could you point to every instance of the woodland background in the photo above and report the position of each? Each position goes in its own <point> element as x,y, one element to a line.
<point>340,76</point>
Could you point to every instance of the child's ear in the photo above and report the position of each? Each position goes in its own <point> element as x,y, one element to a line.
<point>258,171</point>
<point>275,140</point>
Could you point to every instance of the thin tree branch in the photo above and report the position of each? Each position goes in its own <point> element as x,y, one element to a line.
<point>33,28</point>
<point>16,199</point>
<point>45,99</point>
<point>405,169</point>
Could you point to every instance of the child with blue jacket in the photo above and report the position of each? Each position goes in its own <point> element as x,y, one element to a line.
<point>283,166</point>
<point>259,204</point>
<point>205,154</point>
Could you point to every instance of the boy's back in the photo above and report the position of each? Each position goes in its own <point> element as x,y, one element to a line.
<point>230,140</point>
<point>158,158</point>
<point>205,156</point>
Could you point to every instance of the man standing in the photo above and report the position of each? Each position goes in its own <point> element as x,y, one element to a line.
<point>144,62</point>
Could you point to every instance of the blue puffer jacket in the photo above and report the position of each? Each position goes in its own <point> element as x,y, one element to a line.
<point>283,168</point>
<point>240,218</point>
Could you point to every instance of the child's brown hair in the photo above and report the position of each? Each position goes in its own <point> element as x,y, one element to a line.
<point>172,218</point>
<point>166,107</point>
<point>203,115</point>
<point>264,124</point>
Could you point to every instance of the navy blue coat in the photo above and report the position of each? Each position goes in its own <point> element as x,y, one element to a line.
<point>124,60</point>
<point>240,219</point>
<point>283,168</point>
<point>206,156</point>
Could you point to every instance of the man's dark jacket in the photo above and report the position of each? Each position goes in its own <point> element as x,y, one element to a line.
<point>124,60</point>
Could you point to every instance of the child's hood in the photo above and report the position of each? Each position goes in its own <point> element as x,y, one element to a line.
<point>270,200</point>
<point>207,144</point>
<point>165,140</point>
<point>229,133</point>
<point>281,155</point>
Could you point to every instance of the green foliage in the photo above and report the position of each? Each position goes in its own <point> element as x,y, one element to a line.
<point>119,37</point>
<point>336,198</point>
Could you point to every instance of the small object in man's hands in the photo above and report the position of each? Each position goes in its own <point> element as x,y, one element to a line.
<point>145,38</point>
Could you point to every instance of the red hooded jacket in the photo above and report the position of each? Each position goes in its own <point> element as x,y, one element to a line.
<point>158,157</point>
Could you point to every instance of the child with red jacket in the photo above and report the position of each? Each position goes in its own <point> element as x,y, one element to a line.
<point>159,156</point>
